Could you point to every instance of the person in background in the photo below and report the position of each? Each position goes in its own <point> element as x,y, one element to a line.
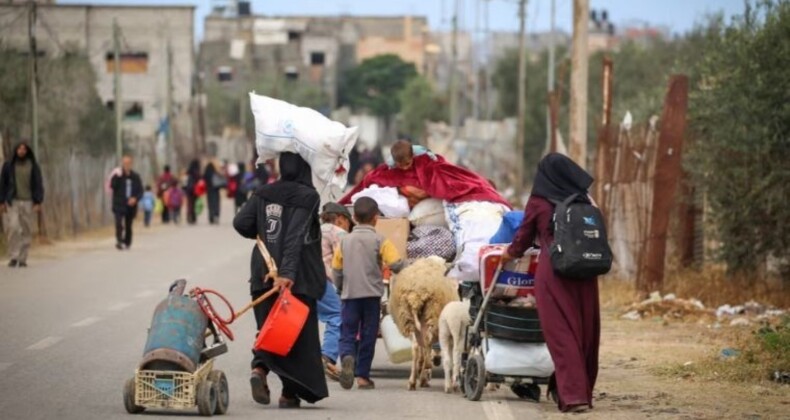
<point>127,189</point>
<point>175,200</point>
<point>21,195</point>
<point>147,203</point>
<point>570,315</point>
<point>335,224</point>
<point>214,182</point>
<point>240,194</point>
<point>285,216</point>
<point>162,185</point>
<point>193,176</point>
<point>356,267</point>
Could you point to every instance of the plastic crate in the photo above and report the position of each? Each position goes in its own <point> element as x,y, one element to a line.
<point>168,389</point>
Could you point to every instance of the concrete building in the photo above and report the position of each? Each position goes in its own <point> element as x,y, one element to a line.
<point>241,49</point>
<point>146,32</point>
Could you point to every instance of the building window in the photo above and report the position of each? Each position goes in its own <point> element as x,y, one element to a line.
<point>317,58</point>
<point>291,73</point>
<point>131,62</point>
<point>132,111</point>
<point>294,36</point>
<point>224,74</point>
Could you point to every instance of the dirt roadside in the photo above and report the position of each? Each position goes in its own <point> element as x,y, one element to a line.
<point>629,388</point>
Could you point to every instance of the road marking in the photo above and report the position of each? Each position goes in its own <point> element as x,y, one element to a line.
<point>47,342</point>
<point>145,294</point>
<point>120,306</point>
<point>500,410</point>
<point>4,366</point>
<point>86,322</point>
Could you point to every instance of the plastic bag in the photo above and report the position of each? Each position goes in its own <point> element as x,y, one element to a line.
<point>323,143</point>
<point>391,204</point>
<point>159,206</point>
<point>200,204</point>
<point>428,212</point>
<point>505,357</point>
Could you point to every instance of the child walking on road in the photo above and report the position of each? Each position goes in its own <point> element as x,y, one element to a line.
<point>148,202</point>
<point>356,267</point>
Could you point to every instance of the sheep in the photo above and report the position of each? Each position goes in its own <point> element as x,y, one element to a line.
<point>453,322</point>
<point>417,297</point>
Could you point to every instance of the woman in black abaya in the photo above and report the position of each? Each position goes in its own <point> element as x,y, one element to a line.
<point>285,216</point>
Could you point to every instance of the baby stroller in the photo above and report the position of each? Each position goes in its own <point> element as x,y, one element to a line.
<point>504,343</point>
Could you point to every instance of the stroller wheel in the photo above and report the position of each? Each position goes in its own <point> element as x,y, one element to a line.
<point>526,391</point>
<point>474,377</point>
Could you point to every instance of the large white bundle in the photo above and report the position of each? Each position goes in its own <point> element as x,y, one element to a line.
<point>323,143</point>
<point>391,204</point>
<point>428,212</point>
<point>505,357</point>
<point>473,224</point>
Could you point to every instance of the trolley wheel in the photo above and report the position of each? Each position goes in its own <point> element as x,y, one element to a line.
<point>526,391</point>
<point>206,398</point>
<point>475,377</point>
<point>223,396</point>
<point>128,398</point>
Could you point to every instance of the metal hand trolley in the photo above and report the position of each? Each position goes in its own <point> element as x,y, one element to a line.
<point>492,320</point>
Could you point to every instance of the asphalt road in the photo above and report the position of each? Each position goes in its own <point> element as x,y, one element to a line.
<point>73,326</point>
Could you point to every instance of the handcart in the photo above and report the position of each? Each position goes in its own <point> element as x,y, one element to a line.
<point>506,330</point>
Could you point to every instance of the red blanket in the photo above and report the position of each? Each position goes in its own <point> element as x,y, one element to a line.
<point>439,178</point>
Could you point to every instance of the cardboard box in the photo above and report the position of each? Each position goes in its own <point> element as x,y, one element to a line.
<point>396,230</point>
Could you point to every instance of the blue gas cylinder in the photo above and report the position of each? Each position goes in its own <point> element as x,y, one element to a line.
<point>176,336</point>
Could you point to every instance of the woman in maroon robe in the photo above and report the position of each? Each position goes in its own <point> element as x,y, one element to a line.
<point>569,308</point>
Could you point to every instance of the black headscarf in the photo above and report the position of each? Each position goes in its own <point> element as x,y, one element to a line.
<point>30,156</point>
<point>295,186</point>
<point>559,177</point>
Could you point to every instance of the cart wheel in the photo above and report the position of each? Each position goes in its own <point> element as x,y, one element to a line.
<point>526,391</point>
<point>128,398</point>
<point>223,397</point>
<point>206,398</point>
<point>475,377</point>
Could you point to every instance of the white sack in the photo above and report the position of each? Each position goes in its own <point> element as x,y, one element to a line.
<point>428,212</point>
<point>391,204</point>
<point>323,143</point>
<point>510,358</point>
<point>473,224</point>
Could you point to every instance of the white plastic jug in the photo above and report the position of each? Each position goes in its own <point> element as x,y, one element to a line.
<point>398,347</point>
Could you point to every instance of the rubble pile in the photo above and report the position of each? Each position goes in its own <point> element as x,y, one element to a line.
<point>669,307</point>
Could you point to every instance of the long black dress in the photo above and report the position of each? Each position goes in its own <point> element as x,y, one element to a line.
<point>285,215</point>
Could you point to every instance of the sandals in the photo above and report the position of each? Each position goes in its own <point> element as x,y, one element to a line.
<point>365,384</point>
<point>288,403</point>
<point>348,365</point>
<point>259,386</point>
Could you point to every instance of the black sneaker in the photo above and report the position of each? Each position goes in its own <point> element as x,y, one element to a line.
<point>13,263</point>
<point>347,372</point>
<point>22,264</point>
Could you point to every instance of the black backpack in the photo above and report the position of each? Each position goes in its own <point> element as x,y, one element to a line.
<point>580,249</point>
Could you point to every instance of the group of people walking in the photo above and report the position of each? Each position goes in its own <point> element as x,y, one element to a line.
<point>173,194</point>
<point>343,288</point>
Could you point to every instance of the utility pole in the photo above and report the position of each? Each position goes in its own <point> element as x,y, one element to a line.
<point>522,100</point>
<point>117,102</point>
<point>169,105</point>
<point>579,70</point>
<point>475,67</point>
<point>31,33</point>
<point>552,47</point>
<point>489,108</point>
<point>452,91</point>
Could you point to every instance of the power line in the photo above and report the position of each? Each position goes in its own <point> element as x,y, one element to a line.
<point>50,32</point>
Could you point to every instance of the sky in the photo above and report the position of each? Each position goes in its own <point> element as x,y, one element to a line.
<point>678,16</point>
